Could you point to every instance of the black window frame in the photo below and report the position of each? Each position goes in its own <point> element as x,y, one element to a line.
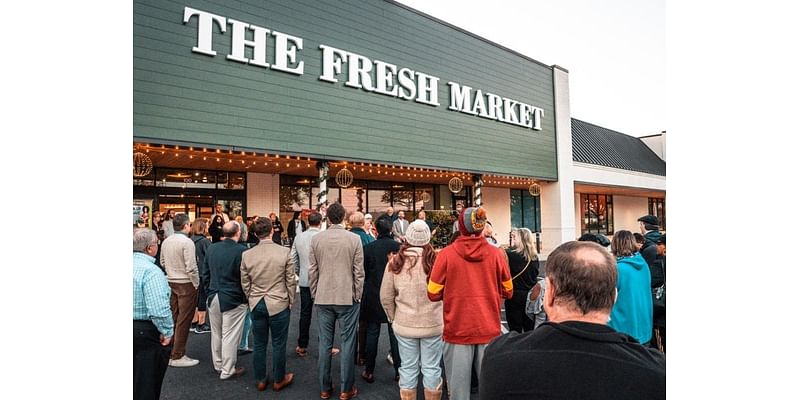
<point>608,215</point>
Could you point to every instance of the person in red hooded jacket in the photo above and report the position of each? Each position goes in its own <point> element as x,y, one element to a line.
<point>471,277</point>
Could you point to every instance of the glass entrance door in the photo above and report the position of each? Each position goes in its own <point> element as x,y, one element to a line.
<point>193,206</point>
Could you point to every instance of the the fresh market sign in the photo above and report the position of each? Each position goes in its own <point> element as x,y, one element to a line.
<point>362,73</point>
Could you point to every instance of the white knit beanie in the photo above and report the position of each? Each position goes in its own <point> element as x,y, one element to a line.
<point>418,233</point>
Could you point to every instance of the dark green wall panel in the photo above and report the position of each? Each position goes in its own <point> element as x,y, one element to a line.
<point>184,96</point>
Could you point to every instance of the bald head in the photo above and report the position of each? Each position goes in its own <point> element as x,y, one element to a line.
<point>582,277</point>
<point>231,230</point>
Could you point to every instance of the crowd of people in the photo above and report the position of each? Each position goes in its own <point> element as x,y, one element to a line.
<point>592,327</point>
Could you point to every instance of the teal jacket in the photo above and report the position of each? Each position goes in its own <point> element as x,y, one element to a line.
<point>365,238</point>
<point>632,314</point>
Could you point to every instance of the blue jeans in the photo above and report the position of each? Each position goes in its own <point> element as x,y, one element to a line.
<point>244,343</point>
<point>306,305</point>
<point>263,324</point>
<point>420,355</point>
<point>347,316</point>
<point>371,348</point>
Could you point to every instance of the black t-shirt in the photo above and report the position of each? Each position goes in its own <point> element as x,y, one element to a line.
<point>571,360</point>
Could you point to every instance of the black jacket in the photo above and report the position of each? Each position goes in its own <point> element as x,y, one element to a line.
<point>571,360</point>
<point>277,230</point>
<point>376,255</point>
<point>221,275</point>
<point>648,249</point>
<point>290,230</point>
<point>658,276</point>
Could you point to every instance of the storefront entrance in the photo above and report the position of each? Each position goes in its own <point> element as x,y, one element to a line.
<point>193,206</point>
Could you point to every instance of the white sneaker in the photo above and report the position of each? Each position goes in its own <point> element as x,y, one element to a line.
<point>389,359</point>
<point>184,362</point>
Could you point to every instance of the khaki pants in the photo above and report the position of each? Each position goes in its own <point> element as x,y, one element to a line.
<point>226,332</point>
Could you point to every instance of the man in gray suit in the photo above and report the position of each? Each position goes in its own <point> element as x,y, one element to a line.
<point>399,227</point>
<point>336,279</point>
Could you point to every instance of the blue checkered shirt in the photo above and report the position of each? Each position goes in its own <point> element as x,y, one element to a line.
<point>151,294</point>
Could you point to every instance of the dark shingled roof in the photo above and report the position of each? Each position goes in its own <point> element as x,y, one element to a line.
<point>596,145</point>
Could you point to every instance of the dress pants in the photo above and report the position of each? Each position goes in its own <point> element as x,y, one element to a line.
<point>182,302</point>
<point>263,325</point>
<point>226,332</point>
<point>150,360</point>
<point>459,360</point>
<point>347,316</point>
<point>306,305</point>
<point>371,348</point>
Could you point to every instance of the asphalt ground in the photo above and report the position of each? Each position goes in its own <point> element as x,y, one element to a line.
<point>202,382</point>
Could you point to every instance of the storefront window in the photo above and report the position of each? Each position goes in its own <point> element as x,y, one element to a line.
<point>657,208</point>
<point>294,198</point>
<point>525,211</point>
<point>402,197</point>
<point>423,197</point>
<point>230,180</point>
<point>597,212</point>
<point>445,198</point>
<point>379,197</point>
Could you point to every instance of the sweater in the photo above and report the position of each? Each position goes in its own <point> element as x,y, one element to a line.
<point>470,276</point>
<point>179,258</point>
<point>405,301</point>
<point>571,360</point>
<point>632,314</point>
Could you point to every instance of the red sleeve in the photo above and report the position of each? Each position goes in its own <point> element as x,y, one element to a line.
<point>437,279</point>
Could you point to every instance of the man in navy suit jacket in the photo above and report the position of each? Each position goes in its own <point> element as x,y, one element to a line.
<point>227,303</point>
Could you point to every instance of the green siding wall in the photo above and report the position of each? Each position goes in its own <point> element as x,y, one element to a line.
<point>179,95</point>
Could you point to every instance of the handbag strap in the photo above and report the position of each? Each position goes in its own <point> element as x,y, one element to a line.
<point>523,270</point>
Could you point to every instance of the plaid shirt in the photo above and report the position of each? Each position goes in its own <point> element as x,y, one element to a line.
<point>151,294</point>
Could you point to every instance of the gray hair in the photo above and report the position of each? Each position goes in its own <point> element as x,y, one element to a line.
<point>143,237</point>
<point>180,221</point>
<point>524,244</point>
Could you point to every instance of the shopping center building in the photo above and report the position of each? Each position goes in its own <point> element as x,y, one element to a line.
<point>267,106</point>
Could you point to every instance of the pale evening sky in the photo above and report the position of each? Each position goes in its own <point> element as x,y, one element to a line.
<point>614,50</point>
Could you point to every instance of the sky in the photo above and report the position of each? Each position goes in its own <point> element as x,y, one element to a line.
<point>614,51</point>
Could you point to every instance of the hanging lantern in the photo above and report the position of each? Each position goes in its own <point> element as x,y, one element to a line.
<point>534,189</point>
<point>142,165</point>
<point>456,184</point>
<point>425,197</point>
<point>344,178</point>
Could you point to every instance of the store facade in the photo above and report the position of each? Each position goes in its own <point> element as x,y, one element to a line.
<point>267,106</point>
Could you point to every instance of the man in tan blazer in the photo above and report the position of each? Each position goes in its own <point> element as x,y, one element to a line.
<point>269,282</point>
<point>336,279</point>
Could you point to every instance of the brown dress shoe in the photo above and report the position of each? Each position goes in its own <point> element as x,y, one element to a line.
<point>370,378</point>
<point>349,395</point>
<point>326,394</point>
<point>301,351</point>
<point>261,386</point>
<point>286,381</point>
